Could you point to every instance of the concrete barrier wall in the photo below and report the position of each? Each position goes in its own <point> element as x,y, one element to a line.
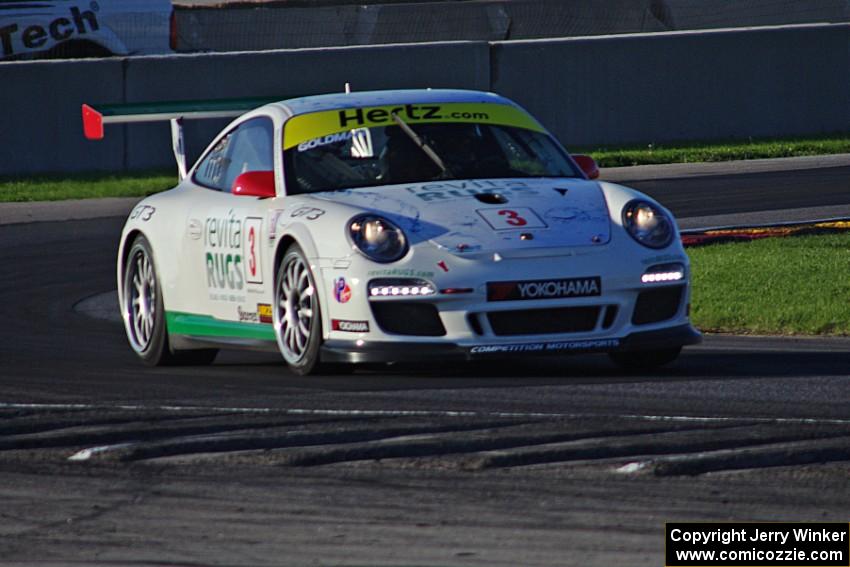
<point>40,124</point>
<point>609,90</point>
<point>235,25</point>
<point>683,85</point>
<point>281,26</point>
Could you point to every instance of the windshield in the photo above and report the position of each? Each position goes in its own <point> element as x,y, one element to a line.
<point>408,150</point>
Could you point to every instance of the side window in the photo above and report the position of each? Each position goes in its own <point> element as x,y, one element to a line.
<point>248,147</point>
<point>212,169</point>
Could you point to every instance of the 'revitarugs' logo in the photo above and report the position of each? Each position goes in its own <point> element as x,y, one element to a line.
<point>223,258</point>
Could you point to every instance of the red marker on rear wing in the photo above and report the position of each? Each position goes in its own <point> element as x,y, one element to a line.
<point>95,117</point>
<point>92,123</point>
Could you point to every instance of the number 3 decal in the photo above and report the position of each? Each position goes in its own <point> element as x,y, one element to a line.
<point>252,247</point>
<point>513,218</point>
<point>253,232</point>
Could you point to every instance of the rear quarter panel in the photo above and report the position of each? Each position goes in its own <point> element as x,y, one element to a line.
<point>161,220</point>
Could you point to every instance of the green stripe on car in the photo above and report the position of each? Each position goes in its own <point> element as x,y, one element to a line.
<point>205,326</point>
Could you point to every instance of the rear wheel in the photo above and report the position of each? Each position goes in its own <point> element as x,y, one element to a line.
<point>645,359</point>
<point>144,315</point>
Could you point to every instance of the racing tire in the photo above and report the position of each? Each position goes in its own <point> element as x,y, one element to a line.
<point>297,314</point>
<point>144,315</point>
<point>641,360</point>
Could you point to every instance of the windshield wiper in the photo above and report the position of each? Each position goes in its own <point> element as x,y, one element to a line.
<point>429,151</point>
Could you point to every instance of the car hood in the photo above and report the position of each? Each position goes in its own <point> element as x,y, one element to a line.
<point>468,217</point>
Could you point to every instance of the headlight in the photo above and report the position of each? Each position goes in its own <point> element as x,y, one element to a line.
<point>405,287</point>
<point>663,273</point>
<point>648,224</point>
<point>377,238</point>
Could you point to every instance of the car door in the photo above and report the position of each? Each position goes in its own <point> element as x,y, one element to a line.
<point>226,231</point>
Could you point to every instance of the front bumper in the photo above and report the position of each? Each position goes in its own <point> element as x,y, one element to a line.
<point>336,351</point>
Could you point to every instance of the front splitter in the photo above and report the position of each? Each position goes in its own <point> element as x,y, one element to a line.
<point>335,351</point>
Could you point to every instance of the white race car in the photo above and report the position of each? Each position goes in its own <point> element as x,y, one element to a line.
<point>391,226</point>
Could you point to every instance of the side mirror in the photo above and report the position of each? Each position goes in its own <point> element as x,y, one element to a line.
<point>587,165</point>
<point>254,184</point>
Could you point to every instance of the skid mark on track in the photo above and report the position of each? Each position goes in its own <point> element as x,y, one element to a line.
<point>366,413</point>
<point>457,440</point>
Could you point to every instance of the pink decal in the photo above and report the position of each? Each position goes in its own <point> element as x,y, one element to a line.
<point>342,292</point>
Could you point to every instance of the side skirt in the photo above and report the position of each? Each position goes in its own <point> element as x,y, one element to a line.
<point>188,331</point>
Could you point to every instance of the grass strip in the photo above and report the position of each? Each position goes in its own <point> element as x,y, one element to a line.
<point>780,286</point>
<point>87,186</point>
<point>140,184</point>
<point>695,152</point>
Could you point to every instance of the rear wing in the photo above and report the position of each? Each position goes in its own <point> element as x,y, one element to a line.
<point>95,117</point>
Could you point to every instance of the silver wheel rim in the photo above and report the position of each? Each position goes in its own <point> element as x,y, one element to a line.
<point>294,308</point>
<point>140,300</point>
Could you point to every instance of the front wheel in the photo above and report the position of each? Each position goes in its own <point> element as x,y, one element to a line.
<point>144,315</point>
<point>645,359</point>
<point>297,315</point>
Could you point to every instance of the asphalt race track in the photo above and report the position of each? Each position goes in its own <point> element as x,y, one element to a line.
<point>537,462</point>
